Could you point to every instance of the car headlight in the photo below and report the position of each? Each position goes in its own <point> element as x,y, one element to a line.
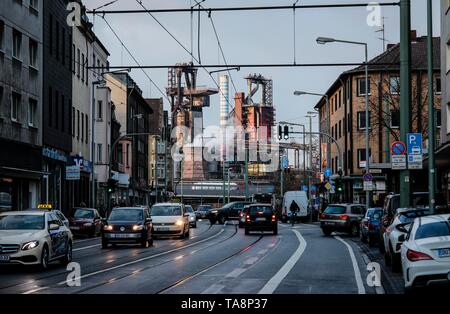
<point>191,218</point>
<point>214,211</point>
<point>30,245</point>
<point>108,228</point>
<point>88,224</point>
<point>179,222</point>
<point>138,228</point>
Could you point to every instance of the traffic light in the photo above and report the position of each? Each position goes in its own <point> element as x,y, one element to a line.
<point>339,185</point>
<point>280,132</point>
<point>112,184</point>
<point>286,132</point>
<point>340,172</point>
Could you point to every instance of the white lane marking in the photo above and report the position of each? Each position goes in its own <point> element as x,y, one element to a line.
<point>275,281</point>
<point>214,289</point>
<point>236,273</point>
<point>262,252</point>
<point>359,282</point>
<point>129,263</point>
<point>251,260</point>
<point>86,247</point>
<point>378,289</point>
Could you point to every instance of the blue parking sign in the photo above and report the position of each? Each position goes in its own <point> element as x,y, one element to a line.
<point>414,143</point>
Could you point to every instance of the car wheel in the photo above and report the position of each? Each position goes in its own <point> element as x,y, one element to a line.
<point>68,257</point>
<point>212,221</point>
<point>44,258</point>
<point>387,259</point>
<point>381,247</point>
<point>241,225</point>
<point>247,231</point>
<point>362,237</point>
<point>144,243</point>
<point>222,220</point>
<point>275,231</point>
<point>371,241</point>
<point>195,225</point>
<point>354,231</point>
<point>327,231</point>
<point>396,263</point>
<point>104,244</point>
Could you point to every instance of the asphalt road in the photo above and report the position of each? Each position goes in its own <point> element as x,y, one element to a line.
<point>216,259</point>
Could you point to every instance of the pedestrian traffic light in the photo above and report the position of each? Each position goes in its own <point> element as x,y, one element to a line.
<point>112,184</point>
<point>286,132</point>
<point>280,132</point>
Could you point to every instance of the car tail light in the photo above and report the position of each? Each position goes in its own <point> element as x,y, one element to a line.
<point>274,218</point>
<point>241,214</point>
<point>370,226</point>
<point>322,216</point>
<point>343,217</point>
<point>366,223</point>
<point>414,256</point>
<point>247,218</point>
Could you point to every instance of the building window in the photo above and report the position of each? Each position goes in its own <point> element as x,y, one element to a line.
<point>362,120</point>
<point>50,107</point>
<point>82,68</point>
<point>73,59</point>
<point>438,86</point>
<point>63,53</point>
<point>17,44</point>
<point>87,70</point>
<point>362,87</point>
<point>82,127</point>
<point>63,113</point>
<point>340,129</point>
<point>34,4</point>
<point>87,128</point>
<point>438,118</point>
<point>1,98</point>
<point>32,105</point>
<point>78,62</point>
<point>56,109</point>
<point>395,119</point>
<point>2,34</point>
<point>33,53</point>
<point>127,152</point>
<point>15,106</point>
<point>100,110</point>
<point>78,124</point>
<point>50,42</point>
<point>99,153</point>
<point>73,121</point>
<point>394,85</point>
<point>362,157</point>
<point>57,40</point>
<point>448,57</point>
<point>349,122</point>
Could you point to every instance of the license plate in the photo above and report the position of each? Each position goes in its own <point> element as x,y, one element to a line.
<point>444,253</point>
<point>163,229</point>
<point>75,228</point>
<point>122,235</point>
<point>329,223</point>
<point>260,219</point>
<point>4,258</point>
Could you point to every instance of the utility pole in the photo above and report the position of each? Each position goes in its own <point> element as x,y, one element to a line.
<point>405,95</point>
<point>431,112</point>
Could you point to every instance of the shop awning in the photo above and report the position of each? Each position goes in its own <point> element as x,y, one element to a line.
<point>22,173</point>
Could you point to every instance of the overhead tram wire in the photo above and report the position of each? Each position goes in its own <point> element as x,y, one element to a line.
<point>249,8</point>
<point>135,60</point>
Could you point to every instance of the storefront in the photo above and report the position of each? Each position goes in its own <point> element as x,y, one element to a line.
<point>20,175</point>
<point>78,177</point>
<point>54,183</point>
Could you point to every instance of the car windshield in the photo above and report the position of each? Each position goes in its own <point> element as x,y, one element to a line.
<point>22,222</point>
<point>126,214</point>
<point>166,210</point>
<point>204,208</point>
<point>189,209</point>
<point>83,214</point>
<point>260,209</point>
<point>229,205</point>
<point>374,213</point>
<point>433,230</point>
<point>411,215</point>
<point>335,210</point>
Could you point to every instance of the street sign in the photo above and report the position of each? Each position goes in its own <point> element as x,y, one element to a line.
<point>368,177</point>
<point>328,186</point>
<point>415,151</point>
<point>398,148</point>
<point>72,173</point>
<point>305,188</point>
<point>285,162</point>
<point>398,162</point>
<point>328,173</point>
<point>368,186</point>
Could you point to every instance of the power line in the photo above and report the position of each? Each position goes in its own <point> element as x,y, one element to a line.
<point>249,8</point>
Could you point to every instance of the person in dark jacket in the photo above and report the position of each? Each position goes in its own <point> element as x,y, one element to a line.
<point>294,207</point>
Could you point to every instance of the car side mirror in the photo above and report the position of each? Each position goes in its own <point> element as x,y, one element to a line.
<point>53,227</point>
<point>186,214</point>
<point>402,238</point>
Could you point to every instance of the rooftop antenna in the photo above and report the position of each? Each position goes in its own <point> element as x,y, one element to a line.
<point>383,31</point>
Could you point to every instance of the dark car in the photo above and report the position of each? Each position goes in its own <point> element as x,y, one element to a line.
<point>261,217</point>
<point>370,225</point>
<point>86,221</point>
<point>342,218</point>
<point>242,216</point>
<point>230,211</point>
<point>128,225</point>
<point>202,211</point>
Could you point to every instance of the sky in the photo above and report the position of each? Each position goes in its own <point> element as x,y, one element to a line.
<point>252,37</point>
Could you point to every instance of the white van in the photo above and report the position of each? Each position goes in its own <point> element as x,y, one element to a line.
<point>301,198</point>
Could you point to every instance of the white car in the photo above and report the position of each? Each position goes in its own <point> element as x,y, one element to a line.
<point>34,238</point>
<point>170,219</point>
<point>392,241</point>
<point>425,253</point>
<point>192,216</point>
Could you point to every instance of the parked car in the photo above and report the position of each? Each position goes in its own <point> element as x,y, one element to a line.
<point>370,225</point>
<point>425,254</point>
<point>34,237</point>
<point>301,198</point>
<point>192,217</point>
<point>202,211</point>
<point>170,219</point>
<point>261,217</point>
<point>128,225</point>
<point>391,238</point>
<point>342,218</point>
<point>228,212</point>
<point>86,221</point>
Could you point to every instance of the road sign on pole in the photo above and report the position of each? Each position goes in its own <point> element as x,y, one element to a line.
<point>328,173</point>
<point>415,151</point>
<point>398,148</point>
<point>398,158</point>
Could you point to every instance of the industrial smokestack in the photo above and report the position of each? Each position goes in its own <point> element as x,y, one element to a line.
<point>224,81</point>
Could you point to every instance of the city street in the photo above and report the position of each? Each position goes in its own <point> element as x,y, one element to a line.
<point>216,259</point>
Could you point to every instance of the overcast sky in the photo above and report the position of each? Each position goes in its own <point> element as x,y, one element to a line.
<point>252,37</point>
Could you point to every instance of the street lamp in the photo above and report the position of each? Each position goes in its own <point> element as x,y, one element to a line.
<point>301,93</point>
<point>310,116</point>
<point>325,40</point>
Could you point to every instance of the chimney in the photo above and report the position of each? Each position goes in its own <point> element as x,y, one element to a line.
<point>413,35</point>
